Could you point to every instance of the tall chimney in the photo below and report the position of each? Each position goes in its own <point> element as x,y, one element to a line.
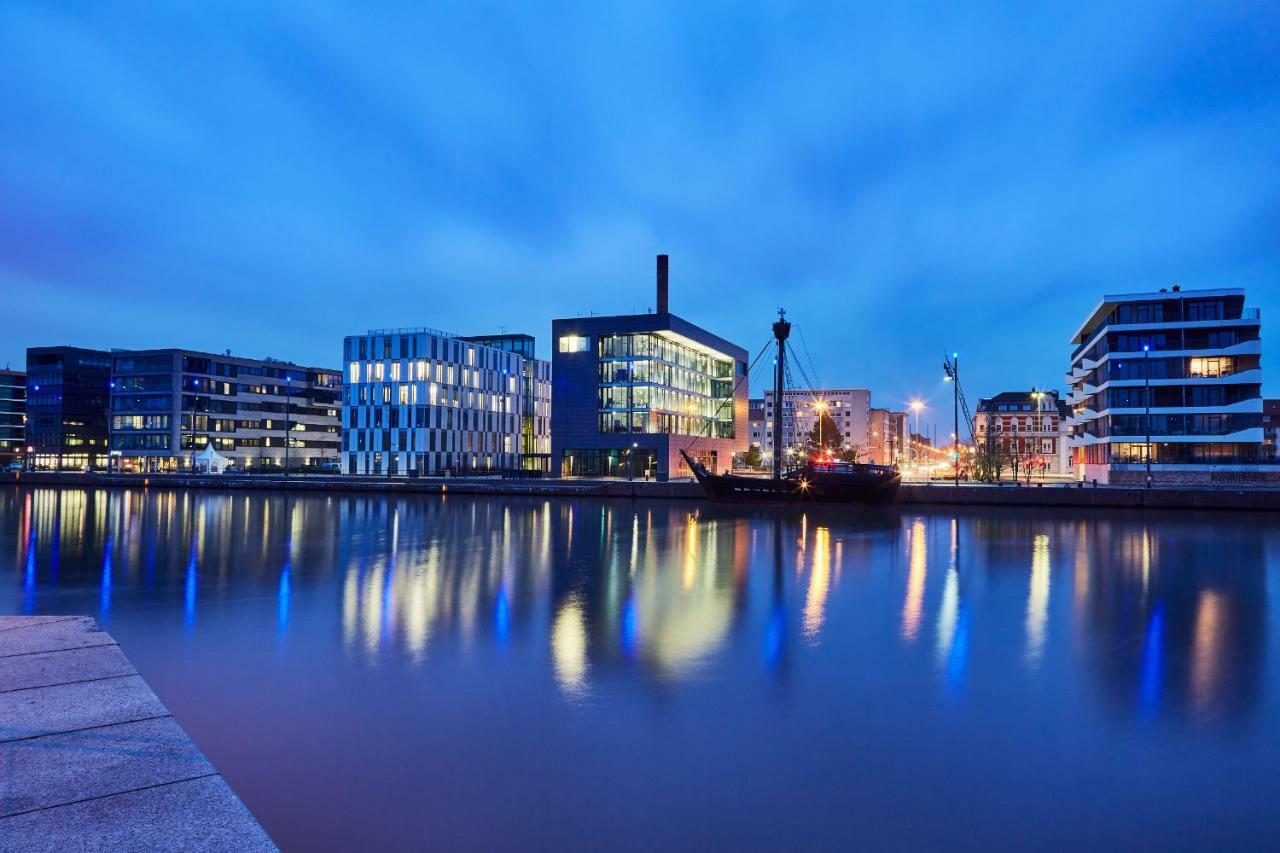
<point>662,285</point>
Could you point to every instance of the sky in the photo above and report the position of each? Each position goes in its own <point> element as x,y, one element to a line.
<point>906,181</point>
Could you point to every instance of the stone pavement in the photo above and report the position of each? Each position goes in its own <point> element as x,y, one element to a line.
<point>91,760</point>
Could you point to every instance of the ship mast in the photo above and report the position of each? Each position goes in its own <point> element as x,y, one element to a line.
<point>781,330</point>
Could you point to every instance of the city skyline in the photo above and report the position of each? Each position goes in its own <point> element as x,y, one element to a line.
<point>263,184</point>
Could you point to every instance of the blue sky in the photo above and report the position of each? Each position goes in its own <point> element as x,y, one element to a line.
<point>906,180</point>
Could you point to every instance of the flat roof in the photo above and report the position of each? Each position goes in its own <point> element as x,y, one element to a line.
<point>1114,299</point>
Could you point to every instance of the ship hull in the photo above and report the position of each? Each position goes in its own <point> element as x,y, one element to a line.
<point>875,486</point>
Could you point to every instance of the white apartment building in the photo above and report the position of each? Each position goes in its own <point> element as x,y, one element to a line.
<point>1169,382</point>
<point>848,407</point>
<point>422,401</point>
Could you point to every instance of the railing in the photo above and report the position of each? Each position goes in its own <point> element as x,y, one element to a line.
<point>412,330</point>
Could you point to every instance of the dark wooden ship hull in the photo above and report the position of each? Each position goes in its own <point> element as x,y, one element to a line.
<point>867,484</point>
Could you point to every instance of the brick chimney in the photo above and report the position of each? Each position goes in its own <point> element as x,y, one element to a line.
<point>663,306</point>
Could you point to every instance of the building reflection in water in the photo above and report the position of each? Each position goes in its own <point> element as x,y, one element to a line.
<point>1168,615</point>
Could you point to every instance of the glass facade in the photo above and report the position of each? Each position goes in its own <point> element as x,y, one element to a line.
<point>13,417</point>
<point>67,391</point>
<point>650,383</point>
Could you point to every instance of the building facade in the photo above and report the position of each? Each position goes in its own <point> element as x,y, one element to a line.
<point>13,417</point>
<point>169,404</point>
<point>1030,427</point>
<point>1173,379</point>
<point>67,399</point>
<point>1270,429</point>
<point>631,391</point>
<point>888,437</point>
<point>424,402</point>
<point>756,423</point>
<point>535,398</point>
<point>848,408</point>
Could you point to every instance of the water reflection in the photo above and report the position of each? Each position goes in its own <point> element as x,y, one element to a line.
<point>1168,617</point>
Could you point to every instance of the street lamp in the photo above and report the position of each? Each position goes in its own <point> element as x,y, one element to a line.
<point>821,408</point>
<point>916,406</point>
<point>288,382</point>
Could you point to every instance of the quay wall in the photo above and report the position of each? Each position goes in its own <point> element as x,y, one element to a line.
<point>913,494</point>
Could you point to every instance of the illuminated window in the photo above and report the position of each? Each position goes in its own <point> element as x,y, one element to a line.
<point>379,371</point>
<point>355,372</point>
<point>574,343</point>
<point>404,394</point>
<point>395,371</point>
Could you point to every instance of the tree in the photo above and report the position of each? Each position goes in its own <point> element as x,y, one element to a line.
<point>850,453</point>
<point>753,458</point>
<point>826,429</point>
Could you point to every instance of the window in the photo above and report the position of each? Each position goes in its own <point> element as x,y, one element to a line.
<point>574,343</point>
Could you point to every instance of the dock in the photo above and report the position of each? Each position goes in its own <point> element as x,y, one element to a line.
<point>90,759</point>
<point>937,493</point>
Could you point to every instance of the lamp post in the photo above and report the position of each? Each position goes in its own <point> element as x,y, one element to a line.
<point>916,406</point>
<point>821,408</point>
<point>1146,394</point>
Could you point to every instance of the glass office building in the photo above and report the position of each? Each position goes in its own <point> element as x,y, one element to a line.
<point>631,391</point>
<point>13,417</point>
<point>421,401</point>
<point>67,391</point>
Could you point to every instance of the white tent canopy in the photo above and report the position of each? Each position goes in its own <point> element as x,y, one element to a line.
<point>210,461</point>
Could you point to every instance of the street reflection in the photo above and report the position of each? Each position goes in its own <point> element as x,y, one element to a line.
<point>1168,616</point>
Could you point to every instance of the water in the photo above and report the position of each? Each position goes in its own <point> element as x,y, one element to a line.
<point>457,673</point>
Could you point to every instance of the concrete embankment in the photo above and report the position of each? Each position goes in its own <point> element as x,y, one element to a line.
<point>940,494</point>
<point>91,758</point>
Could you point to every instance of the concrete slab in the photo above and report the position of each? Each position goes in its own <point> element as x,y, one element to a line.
<point>56,770</point>
<point>201,814</point>
<point>8,623</point>
<point>43,669</point>
<point>90,759</point>
<point>67,707</point>
<point>53,635</point>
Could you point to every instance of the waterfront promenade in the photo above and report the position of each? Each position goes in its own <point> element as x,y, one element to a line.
<point>922,494</point>
<point>92,760</point>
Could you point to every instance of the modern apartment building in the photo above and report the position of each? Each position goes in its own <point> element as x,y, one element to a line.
<point>67,391</point>
<point>1028,426</point>
<point>13,417</point>
<point>848,408</point>
<point>1168,382</point>
<point>422,401</point>
<point>1270,429</point>
<point>631,391</point>
<point>167,405</point>
<point>535,398</point>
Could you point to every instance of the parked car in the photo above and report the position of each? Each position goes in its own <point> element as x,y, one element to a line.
<point>15,465</point>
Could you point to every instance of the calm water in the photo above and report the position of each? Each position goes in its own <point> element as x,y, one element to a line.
<point>476,673</point>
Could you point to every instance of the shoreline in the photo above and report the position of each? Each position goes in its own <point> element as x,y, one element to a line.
<point>1231,498</point>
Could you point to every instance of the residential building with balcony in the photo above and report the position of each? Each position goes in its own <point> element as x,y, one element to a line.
<point>848,408</point>
<point>1171,378</point>
<point>1031,427</point>
<point>67,399</point>
<point>756,423</point>
<point>421,401</point>
<point>1270,429</point>
<point>167,405</point>
<point>631,391</point>
<point>13,417</point>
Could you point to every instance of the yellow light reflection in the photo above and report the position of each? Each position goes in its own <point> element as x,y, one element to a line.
<point>1206,648</point>
<point>912,607</point>
<point>569,647</point>
<point>1038,600</point>
<point>819,581</point>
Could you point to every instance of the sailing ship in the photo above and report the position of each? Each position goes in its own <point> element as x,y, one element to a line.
<point>820,480</point>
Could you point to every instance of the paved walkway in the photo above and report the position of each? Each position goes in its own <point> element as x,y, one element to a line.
<point>91,760</point>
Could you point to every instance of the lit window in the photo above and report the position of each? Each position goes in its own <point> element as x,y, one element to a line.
<point>574,343</point>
